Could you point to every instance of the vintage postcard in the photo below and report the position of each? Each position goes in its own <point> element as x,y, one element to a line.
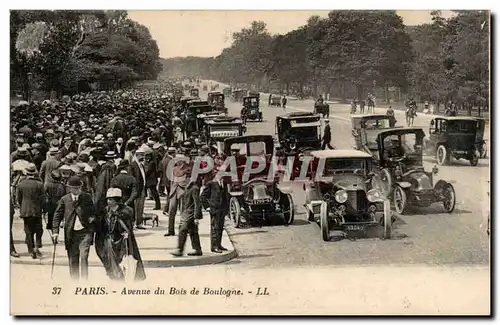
<point>250,162</point>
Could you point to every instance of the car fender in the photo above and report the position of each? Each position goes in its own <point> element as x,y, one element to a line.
<point>286,190</point>
<point>235,193</point>
<point>404,184</point>
<point>440,184</point>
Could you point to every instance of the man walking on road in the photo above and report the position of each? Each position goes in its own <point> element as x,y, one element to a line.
<point>216,199</point>
<point>327,136</point>
<point>137,170</point>
<point>77,210</point>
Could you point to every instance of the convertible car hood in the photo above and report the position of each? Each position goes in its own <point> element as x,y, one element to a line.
<point>350,183</point>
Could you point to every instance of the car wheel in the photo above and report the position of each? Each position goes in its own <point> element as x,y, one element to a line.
<point>235,212</point>
<point>400,199</point>
<point>386,220</point>
<point>288,209</point>
<point>325,227</point>
<point>442,155</point>
<point>475,158</point>
<point>449,198</point>
<point>385,182</point>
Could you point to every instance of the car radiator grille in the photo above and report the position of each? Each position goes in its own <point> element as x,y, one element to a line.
<point>356,202</point>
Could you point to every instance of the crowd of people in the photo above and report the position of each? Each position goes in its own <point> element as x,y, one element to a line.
<point>87,164</point>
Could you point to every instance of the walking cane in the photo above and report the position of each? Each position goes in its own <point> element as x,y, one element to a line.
<point>53,258</point>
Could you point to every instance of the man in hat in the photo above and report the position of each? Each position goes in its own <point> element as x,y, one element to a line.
<point>180,180</point>
<point>66,149</point>
<point>138,171</point>
<point>126,183</point>
<point>77,210</point>
<point>164,179</point>
<point>119,148</point>
<point>215,198</point>
<point>31,199</point>
<point>104,182</point>
<point>49,165</point>
<point>152,178</point>
<point>37,155</point>
<point>54,191</point>
<point>190,216</point>
<point>327,136</point>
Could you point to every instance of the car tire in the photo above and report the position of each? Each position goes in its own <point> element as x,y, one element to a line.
<point>400,199</point>
<point>324,224</point>
<point>386,182</point>
<point>442,155</point>
<point>235,212</point>
<point>290,215</point>
<point>449,191</point>
<point>387,220</point>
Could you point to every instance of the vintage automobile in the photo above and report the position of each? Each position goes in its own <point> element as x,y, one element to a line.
<point>194,92</point>
<point>190,115</point>
<point>322,108</point>
<point>365,129</point>
<point>201,124</point>
<point>341,197</point>
<point>275,100</point>
<point>298,132</point>
<point>220,128</point>
<point>227,91</point>
<point>251,109</point>
<point>401,175</point>
<point>459,137</point>
<point>238,95</point>
<point>256,198</point>
<point>254,94</point>
<point>216,99</point>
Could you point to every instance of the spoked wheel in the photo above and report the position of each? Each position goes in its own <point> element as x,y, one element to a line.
<point>325,227</point>
<point>384,180</point>
<point>235,212</point>
<point>449,198</point>
<point>400,199</point>
<point>442,155</point>
<point>475,158</point>
<point>288,209</point>
<point>386,220</point>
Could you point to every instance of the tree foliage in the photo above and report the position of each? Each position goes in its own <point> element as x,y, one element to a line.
<point>63,48</point>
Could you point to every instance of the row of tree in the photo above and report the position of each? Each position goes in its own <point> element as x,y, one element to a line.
<point>68,51</point>
<point>352,53</point>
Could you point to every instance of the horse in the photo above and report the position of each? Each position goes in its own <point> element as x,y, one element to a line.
<point>371,105</point>
<point>410,114</point>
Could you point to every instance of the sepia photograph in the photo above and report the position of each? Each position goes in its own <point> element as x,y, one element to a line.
<point>250,162</point>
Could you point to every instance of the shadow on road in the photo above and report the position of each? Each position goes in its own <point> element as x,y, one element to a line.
<point>300,222</point>
<point>247,232</point>
<point>254,256</point>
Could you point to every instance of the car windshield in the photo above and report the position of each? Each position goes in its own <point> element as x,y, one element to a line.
<point>407,143</point>
<point>462,126</point>
<point>307,132</point>
<point>335,165</point>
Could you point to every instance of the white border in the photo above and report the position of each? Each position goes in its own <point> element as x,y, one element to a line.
<point>185,4</point>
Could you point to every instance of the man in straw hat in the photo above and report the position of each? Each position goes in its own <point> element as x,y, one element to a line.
<point>77,210</point>
<point>32,200</point>
<point>49,165</point>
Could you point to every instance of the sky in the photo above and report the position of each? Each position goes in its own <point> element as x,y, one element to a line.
<point>206,33</point>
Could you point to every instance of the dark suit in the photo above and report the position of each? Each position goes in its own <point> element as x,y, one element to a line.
<point>191,211</point>
<point>54,191</point>
<point>76,241</point>
<point>31,198</point>
<point>216,198</point>
<point>152,182</point>
<point>47,167</point>
<point>120,152</point>
<point>327,138</point>
<point>140,181</point>
<point>127,184</point>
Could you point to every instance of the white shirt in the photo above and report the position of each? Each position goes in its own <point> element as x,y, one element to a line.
<point>78,225</point>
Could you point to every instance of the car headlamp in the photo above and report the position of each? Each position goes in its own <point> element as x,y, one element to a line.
<point>373,195</point>
<point>341,196</point>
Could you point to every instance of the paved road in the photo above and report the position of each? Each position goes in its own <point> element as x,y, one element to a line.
<point>428,236</point>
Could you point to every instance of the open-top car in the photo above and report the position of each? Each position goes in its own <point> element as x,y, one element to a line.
<point>402,176</point>
<point>275,100</point>
<point>365,129</point>
<point>459,137</point>
<point>239,94</point>
<point>298,132</point>
<point>251,109</point>
<point>341,197</point>
<point>322,108</point>
<point>216,99</point>
<point>256,198</point>
<point>194,92</point>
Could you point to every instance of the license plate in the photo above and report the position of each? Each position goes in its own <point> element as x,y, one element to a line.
<point>354,227</point>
